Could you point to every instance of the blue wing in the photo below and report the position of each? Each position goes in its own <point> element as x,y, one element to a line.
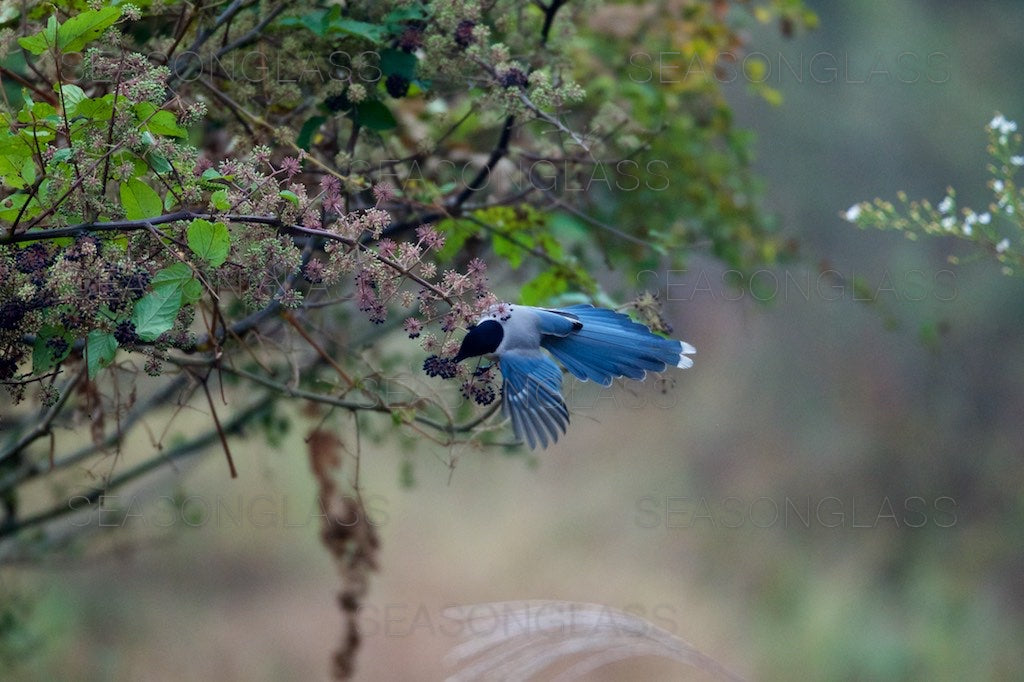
<point>553,322</point>
<point>610,344</point>
<point>531,396</point>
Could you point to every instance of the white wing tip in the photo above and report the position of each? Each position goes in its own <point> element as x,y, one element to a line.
<point>687,349</point>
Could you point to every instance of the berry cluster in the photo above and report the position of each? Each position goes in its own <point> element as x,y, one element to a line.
<point>397,85</point>
<point>513,78</point>
<point>436,366</point>
<point>464,33</point>
<point>483,394</point>
<point>125,333</point>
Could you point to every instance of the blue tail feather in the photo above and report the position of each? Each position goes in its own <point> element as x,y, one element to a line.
<point>610,345</point>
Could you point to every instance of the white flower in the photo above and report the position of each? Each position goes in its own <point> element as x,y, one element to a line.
<point>998,186</point>
<point>1002,124</point>
<point>1017,160</point>
<point>852,213</point>
<point>1009,209</point>
<point>946,205</point>
<point>968,230</point>
<point>971,217</point>
<point>985,218</point>
<point>1002,246</point>
<point>947,223</point>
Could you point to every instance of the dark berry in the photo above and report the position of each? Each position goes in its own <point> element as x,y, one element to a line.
<point>378,314</point>
<point>397,85</point>
<point>135,283</point>
<point>411,39</point>
<point>58,345</point>
<point>337,102</point>
<point>436,366</point>
<point>33,259</point>
<point>464,33</point>
<point>8,366</point>
<point>11,313</point>
<point>125,333</point>
<point>513,78</point>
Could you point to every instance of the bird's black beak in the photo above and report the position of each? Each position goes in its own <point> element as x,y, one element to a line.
<point>463,350</point>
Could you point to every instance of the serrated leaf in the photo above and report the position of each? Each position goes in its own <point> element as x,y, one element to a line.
<point>210,241</point>
<point>10,206</point>
<point>140,200</point>
<point>191,291</point>
<point>96,108</point>
<point>82,28</point>
<point>100,349</point>
<point>173,276</point>
<point>15,155</point>
<point>179,276</point>
<point>42,41</point>
<point>72,95</point>
<point>155,312</point>
<point>165,123</point>
<point>219,200</point>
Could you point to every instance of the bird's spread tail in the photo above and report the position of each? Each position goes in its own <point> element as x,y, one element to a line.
<point>611,345</point>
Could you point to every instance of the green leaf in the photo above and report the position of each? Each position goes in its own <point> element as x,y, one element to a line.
<point>160,166</point>
<point>42,41</point>
<point>191,291</point>
<point>158,121</point>
<point>371,32</point>
<point>85,27</point>
<point>219,200</point>
<point>173,276</point>
<point>179,277</point>
<point>315,21</point>
<point>308,128</point>
<point>154,313</point>
<point>398,62</point>
<point>509,250</point>
<point>96,108</point>
<point>455,232</point>
<point>210,241</point>
<point>100,349</point>
<point>43,357</point>
<point>14,155</point>
<point>397,17</point>
<point>374,115</point>
<point>140,200</point>
<point>289,195</point>
<point>10,206</point>
<point>72,96</point>
<point>543,287</point>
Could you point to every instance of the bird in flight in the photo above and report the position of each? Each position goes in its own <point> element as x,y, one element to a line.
<point>593,344</point>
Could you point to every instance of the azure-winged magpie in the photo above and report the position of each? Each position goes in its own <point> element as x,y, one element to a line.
<point>592,343</point>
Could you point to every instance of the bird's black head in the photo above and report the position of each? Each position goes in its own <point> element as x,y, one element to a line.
<point>482,339</point>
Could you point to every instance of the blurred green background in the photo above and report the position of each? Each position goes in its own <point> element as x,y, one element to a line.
<point>833,492</point>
